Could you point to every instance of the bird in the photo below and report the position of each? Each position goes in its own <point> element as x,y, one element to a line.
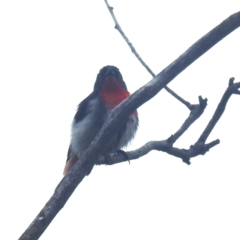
<point>109,91</point>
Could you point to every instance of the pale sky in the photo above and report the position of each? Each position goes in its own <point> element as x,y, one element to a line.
<point>50,54</point>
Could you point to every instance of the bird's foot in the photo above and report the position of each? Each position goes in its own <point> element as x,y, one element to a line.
<point>124,154</point>
<point>116,157</point>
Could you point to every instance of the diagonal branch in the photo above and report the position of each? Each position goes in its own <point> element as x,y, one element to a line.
<point>83,167</point>
<point>118,27</point>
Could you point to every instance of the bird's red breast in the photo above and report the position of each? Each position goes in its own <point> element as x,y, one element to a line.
<point>112,93</point>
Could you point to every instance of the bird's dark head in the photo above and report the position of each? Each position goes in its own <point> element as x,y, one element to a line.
<point>111,87</point>
<point>109,77</point>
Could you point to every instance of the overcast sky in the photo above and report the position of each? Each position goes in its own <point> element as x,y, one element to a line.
<point>50,54</point>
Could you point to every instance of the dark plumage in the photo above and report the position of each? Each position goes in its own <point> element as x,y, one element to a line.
<point>109,91</point>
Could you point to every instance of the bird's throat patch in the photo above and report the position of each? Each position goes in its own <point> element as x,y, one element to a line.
<point>112,93</point>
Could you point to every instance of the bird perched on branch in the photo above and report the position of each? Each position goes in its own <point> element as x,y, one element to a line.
<point>109,90</point>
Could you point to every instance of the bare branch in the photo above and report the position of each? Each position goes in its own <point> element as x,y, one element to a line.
<point>196,112</point>
<point>118,27</point>
<point>233,88</point>
<point>119,114</point>
<point>164,146</point>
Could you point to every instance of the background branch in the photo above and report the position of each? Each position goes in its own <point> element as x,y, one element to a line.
<point>233,88</point>
<point>118,27</point>
<point>119,114</point>
<point>164,146</point>
<point>196,111</point>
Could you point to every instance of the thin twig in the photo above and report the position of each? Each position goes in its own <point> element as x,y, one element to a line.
<point>233,88</point>
<point>196,112</point>
<point>118,27</point>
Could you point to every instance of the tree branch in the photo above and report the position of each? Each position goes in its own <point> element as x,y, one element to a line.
<point>83,167</point>
<point>118,27</point>
<point>233,88</point>
<point>196,112</point>
<point>199,148</point>
<point>164,146</point>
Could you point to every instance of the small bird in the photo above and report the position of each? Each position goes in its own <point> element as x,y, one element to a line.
<point>109,90</point>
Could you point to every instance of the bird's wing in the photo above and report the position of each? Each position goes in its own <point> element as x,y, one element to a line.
<point>71,160</point>
<point>82,111</point>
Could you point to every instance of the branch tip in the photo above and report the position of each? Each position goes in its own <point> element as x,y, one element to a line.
<point>231,81</point>
<point>202,102</point>
<point>186,160</point>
